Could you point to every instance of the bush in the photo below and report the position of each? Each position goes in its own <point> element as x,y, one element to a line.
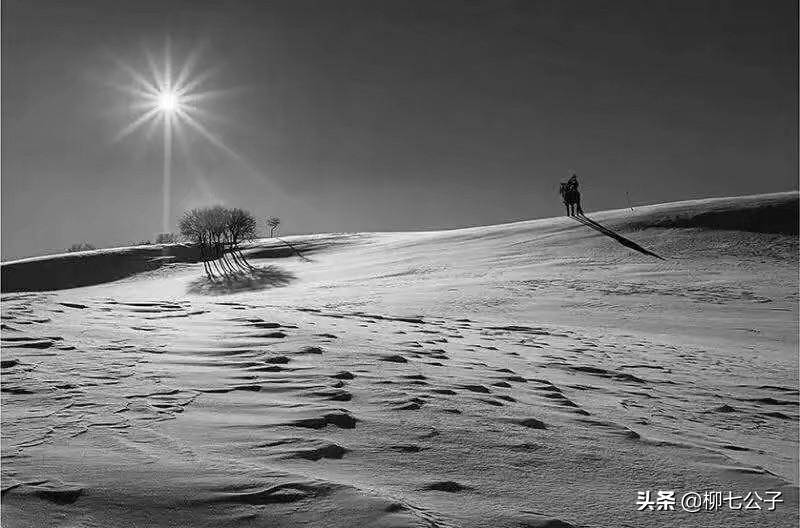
<point>166,238</point>
<point>218,232</point>
<point>83,246</point>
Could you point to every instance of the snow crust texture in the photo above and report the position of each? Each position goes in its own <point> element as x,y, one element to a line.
<point>535,374</point>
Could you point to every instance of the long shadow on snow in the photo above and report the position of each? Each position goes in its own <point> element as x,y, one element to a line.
<point>588,222</point>
<point>257,279</point>
<point>278,247</point>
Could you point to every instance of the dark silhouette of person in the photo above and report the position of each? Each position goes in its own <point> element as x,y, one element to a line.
<point>565,196</point>
<point>576,196</point>
<point>571,196</point>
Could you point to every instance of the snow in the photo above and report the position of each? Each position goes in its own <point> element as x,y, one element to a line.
<point>513,375</point>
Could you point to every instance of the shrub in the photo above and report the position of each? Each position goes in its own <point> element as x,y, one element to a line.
<point>83,246</point>
<point>166,238</point>
<point>218,232</point>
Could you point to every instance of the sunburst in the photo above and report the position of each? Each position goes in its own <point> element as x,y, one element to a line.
<point>173,100</point>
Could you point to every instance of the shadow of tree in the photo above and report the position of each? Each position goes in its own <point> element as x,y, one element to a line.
<point>253,280</point>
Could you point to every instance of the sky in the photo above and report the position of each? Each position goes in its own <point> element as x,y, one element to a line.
<point>392,114</point>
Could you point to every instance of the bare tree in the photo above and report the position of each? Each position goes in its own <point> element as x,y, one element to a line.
<point>215,219</point>
<point>273,222</point>
<point>219,232</point>
<point>193,227</point>
<point>241,227</point>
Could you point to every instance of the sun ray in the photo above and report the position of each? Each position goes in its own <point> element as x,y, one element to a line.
<point>167,96</point>
<point>197,80</point>
<point>202,114</point>
<point>186,70</point>
<point>192,122</point>
<point>181,141</point>
<point>154,71</point>
<point>207,134</point>
<point>208,95</point>
<point>132,127</point>
<point>195,111</point>
<point>146,85</point>
<point>153,126</point>
<point>144,106</point>
<point>167,68</point>
<point>167,181</point>
<point>133,91</point>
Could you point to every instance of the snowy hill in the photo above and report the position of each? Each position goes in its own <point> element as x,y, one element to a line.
<point>468,377</point>
<point>771,214</point>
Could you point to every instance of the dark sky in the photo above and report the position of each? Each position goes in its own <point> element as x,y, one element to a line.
<point>394,115</point>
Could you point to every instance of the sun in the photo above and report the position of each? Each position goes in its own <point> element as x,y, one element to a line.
<point>173,99</point>
<point>168,101</point>
<point>171,96</point>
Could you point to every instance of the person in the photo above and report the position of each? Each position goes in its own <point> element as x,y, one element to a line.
<point>576,194</point>
<point>573,182</point>
<point>572,196</point>
<point>565,196</point>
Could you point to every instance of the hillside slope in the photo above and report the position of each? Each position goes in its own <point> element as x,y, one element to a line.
<point>771,214</point>
<point>538,373</point>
